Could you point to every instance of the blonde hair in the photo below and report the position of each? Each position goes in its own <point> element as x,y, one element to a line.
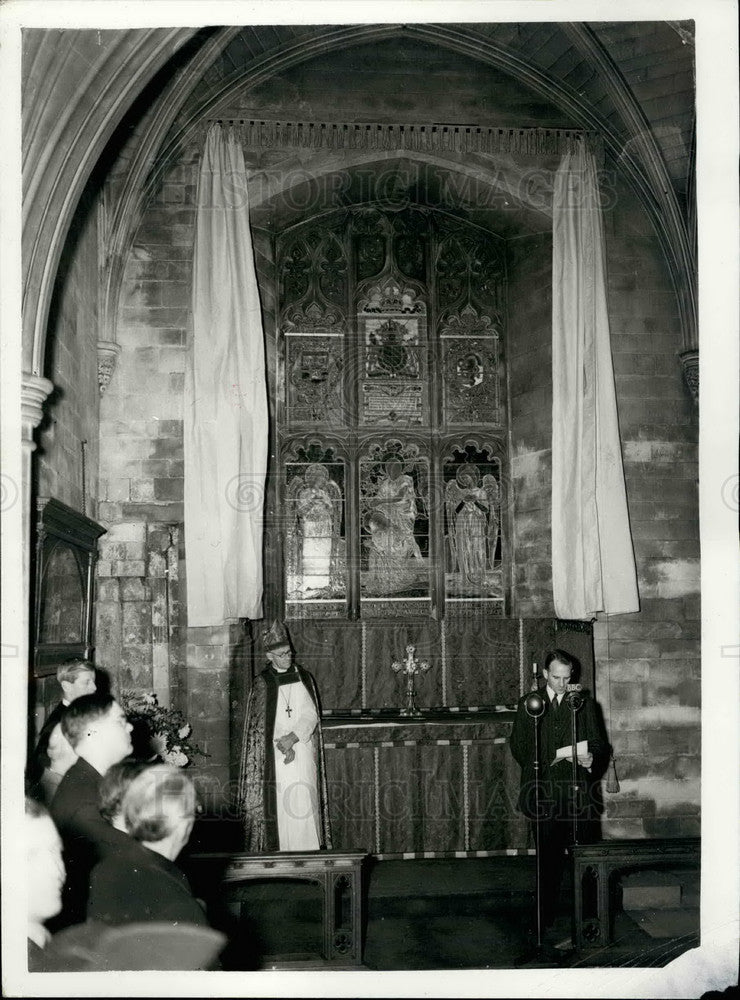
<point>69,670</point>
<point>155,801</point>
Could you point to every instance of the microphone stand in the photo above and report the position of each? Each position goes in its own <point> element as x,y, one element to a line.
<point>541,956</point>
<point>534,706</point>
<point>575,700</point>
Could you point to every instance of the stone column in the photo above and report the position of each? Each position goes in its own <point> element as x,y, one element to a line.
<point>34,392</point>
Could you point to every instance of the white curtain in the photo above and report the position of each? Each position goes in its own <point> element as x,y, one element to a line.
<point>593,564</point>
<point>225,405</point>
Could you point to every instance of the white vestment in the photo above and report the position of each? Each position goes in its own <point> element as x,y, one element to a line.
<point>295,783</point>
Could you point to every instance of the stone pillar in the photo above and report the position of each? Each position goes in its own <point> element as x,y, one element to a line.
<point>34,392</point>
<point>212,655</point>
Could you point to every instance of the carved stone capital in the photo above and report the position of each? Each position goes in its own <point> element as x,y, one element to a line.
<point>34,392</point>
<point>108,352</point>
<point>690,365</point>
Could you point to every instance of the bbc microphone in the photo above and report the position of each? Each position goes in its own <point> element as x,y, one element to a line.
<point>573,696</point>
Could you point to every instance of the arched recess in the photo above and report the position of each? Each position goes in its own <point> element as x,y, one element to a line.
<point>57,165</point>
<point>324,190</point>
<point>479,186</point>
<point>168,135</point>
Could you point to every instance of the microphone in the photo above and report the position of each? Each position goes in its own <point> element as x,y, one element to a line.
<point>534,705</point>
<point>573,696</point>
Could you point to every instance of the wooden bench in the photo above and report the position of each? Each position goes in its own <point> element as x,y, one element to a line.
<point>338,873</point>
<point>594,868</point>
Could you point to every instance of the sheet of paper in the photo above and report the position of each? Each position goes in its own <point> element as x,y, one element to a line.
<point>566,753</point>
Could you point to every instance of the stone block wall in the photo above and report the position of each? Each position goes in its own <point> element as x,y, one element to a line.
<point>648,664</point>
<point>72,366</point>
<point>71,413</point>
<point>142,621</point>
<point>648,676</point>
<point>529,346</point>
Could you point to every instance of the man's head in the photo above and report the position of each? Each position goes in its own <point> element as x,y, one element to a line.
<point>276,642</point>
<point>97,729</point>
<point>114,786</point>
<point>281,657</point>
<point>158,809</point>
<point>558,670</point>
<point>77,678</point>
<point>61,754</point>
<point>44,865</point>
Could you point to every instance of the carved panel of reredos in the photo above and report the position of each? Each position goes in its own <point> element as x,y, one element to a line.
<point>391,337</point>
<point>314,378</point>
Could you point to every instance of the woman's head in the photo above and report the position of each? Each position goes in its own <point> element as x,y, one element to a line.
<point>60,752</point>
<point>113,787</point>
<point>158,808</point>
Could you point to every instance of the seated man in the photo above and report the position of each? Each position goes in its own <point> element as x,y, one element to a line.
<point>99,733</point>
<point>143,883</point>
<point>76,678</point>
<point>61,757</point>
<point>44,879</point>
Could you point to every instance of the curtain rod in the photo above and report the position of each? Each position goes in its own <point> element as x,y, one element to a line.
<point>527,140</point>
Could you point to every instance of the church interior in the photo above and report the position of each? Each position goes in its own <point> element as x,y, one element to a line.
<point>400,185</point>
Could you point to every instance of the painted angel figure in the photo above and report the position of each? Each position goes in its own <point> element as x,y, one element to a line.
<point>492,489</point>
<point>315,505</point>
<point>472,518</point>
<point>389,523</point>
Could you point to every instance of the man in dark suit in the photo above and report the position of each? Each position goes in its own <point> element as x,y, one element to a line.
<point>76,678</point>
<point>557,801</point>
<point>45,878</point>
<point>97,729</point>
<point>143,883</point>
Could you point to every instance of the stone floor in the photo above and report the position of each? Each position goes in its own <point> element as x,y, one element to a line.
<point>473,913</point>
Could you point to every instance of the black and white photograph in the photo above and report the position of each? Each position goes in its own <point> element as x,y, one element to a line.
<point>369,498</point>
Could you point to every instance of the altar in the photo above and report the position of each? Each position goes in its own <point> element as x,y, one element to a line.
<point>442,782</point>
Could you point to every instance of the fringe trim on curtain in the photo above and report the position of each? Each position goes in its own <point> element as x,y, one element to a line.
<point>420,137</point>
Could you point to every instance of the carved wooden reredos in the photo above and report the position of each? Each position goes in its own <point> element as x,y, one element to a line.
<point>391,416</point>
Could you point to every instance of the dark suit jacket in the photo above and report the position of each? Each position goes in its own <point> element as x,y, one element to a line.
<point>138,885</point>
<point>87,837</point>
<point>555,731</point>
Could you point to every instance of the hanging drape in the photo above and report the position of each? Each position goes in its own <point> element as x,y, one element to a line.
<point>593,565</point>
<point>225,405</point>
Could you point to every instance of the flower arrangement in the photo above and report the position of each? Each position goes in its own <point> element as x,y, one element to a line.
<point>159,731</point>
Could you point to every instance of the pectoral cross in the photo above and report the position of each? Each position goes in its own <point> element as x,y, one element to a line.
<point>288,710</point>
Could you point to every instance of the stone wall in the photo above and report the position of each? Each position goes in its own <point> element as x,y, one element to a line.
<point>72,409</point>
<point>648,676</point>
<point>142,631</point>
<point>72,366</point>
<point>529,345</point>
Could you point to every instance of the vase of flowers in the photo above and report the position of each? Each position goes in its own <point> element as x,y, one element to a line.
<point>158,731</point>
